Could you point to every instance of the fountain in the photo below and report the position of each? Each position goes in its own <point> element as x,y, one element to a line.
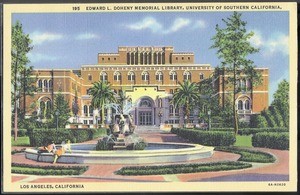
<point>153,153</point>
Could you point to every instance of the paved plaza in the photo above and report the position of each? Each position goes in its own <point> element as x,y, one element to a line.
<point>278,171</point>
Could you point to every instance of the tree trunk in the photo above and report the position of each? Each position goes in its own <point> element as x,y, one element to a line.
<point>15,105</point>
<point>24,93</point>
<point>102,117</point>
<point>235,119</point>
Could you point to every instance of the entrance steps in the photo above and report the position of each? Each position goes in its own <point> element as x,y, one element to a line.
<point>148,129</point>
<point>119,144</point>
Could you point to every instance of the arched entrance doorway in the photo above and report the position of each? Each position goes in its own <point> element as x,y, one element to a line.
<point>145,111</point>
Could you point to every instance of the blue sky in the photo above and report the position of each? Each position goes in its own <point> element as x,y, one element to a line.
<point>70,40</point>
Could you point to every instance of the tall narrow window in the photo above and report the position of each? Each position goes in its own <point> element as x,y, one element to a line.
<point>247,105</point>
<point>171,110</point>
<point>201,76</point>
<point>90,77</point>
<point>131,76</point>
<point>40,84</point>
<point>187,75</point>
<point>145,76</point>
<point>103,76</point>
<point>117,76</point>
<point>240,105</point>
<point>85,110</point>
<point>159,76</point>
<point>91,110</point>
<point>173,76</point>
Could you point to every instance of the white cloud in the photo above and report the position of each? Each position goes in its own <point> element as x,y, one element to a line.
<point>86,36</point>
<point>199,24</point>
<point>146,23</point>
<point>41,37</point>
<point>156,27</point>
<point>178,24</point>
<point>275,43</point>
<point>38,57</point>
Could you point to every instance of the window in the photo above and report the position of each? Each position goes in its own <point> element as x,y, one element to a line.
<point>187,75</point>
<point>88,91</point>
<point>176,58</point>
<point>103,76</point>
<point>247,105</point>
<point>102,59</point>
<point>45,84</point>
<point>159,76</point>
<point>145,103</point>
<point>40,84</point>
<point>201,76</point>
<point>117,76</point>
<point>91,122</point>
<point>171,91</point>
<point>85,122</point>
<point>108,58</point>
<point>131,76</point>
<point>240,105</point>
<point>90,77</point>
<point>91,110</point>
<point>182,58</point>
<point>145,76</point>
<point>189,58</point>
<point>171,110</point>
<point>50,83</point>
<point>173,76</point>
<point>85,110</point>
<point>115,59</point>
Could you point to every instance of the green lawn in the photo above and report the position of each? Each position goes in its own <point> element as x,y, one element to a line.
<point>21,141</point>
<point>243,141</point>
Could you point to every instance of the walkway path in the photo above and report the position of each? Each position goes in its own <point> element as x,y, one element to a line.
<point>277,171</point>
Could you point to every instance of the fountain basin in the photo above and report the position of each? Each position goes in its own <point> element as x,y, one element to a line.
<point>156,153</point>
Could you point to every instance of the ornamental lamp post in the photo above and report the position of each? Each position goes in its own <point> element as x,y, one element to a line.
<point>209,122</point>
<point>57,113</point>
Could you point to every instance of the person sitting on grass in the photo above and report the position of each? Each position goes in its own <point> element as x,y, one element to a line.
<point>64,147</point>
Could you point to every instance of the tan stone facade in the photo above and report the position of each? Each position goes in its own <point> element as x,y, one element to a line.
<point>148,75</point>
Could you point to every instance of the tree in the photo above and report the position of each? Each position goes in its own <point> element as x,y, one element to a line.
<point>281,101</point>
<point>121,100</point>
<point>20,46</point>
<point>75,107</point>
<point>62,107</point>
<point>186,96</point>
<point>269,118</point>
<point>258,121</point>
<point>277,116</point>
<point>102,94</point>
<point>233,46</point>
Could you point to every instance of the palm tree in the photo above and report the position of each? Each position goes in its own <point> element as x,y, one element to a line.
<point>186,96</point>
<point>102,94</point>
<point>122,100</point>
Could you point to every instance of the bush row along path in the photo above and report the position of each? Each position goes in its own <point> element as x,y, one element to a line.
<point>277,171</point>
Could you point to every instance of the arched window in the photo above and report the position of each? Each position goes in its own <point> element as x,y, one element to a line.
<point>201,76</point>
<point>103,76</point>
<point>186,75</point>
<point>240,105</point>
<point>50,84</point>
<point>40,84</point>
<point>177,111</point>
<point>247,105</point>
<point>91,110</point>
<point>117,76</point>
<point>145,103</point>
<point>145,76</point>
<point>160,102</point>
<point>45,84</point>
<point>173,75</point>
<point>85,110</point>
<point>132,58</point>
<point>90,78</point>
<point>159,76</point>
<point>131,76</point>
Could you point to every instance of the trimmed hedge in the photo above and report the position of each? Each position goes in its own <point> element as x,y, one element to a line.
<point>182,168</point>
<point>249,131</point>
<point>271,140</point>
<point>47,170</point>
<point>21,132</point>
<point>208,138</point>
<point>248,155</point>
<point>40,137</point>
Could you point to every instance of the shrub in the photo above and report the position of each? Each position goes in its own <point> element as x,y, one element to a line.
<point>182,168</point>
<point>106,143</point>
<point>271,140</point>
<point>249,155</point>
<point>39,137</point>
<point>249,131</point>
<point>209,138</point>
<point>258,121</point>
<point>135,142</point>
<point>21,132</point>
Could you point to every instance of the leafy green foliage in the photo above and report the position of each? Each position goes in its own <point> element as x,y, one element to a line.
<point>105,143</point>
<point>208,138</point>
<point>102,94</point>
<point>271,140</point>
<point>62,107</point>
<point>269,118</point>
<point>258,121</point>
<point>182,168</point>
<point>47,170</point>
<point>233,47</point>
<point>248,155</point>
<point>40,137</point>
<point>186,95</point>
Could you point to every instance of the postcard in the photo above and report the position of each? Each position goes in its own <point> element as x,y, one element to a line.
<point>150,97</point>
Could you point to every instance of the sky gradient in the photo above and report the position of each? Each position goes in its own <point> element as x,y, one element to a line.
<point>70,40</point>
